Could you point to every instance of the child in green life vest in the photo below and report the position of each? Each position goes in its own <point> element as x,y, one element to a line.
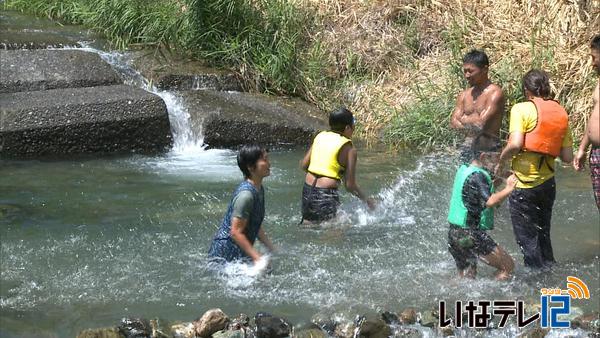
<point>471,214</point>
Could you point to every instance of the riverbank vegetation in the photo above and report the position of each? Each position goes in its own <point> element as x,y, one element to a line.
<point>396,63</point>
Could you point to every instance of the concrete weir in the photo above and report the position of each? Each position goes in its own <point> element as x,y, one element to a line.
<point>230,119</point>
<point>70,102</point>
<point>41,69</point>
<point>105,119</point>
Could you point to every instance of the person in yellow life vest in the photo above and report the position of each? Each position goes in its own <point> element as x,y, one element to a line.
<point>331,158</point>
<point>538,133</point>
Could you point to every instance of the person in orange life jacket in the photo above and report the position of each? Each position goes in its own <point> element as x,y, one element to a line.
<point>538,133</point>
<point>331,157</point>
<point>591,136</point>
<point>242,223</point>
<point>471,214</point>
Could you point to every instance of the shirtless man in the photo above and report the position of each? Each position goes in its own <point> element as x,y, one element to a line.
<point>592,132</point>
<point>479,108</point>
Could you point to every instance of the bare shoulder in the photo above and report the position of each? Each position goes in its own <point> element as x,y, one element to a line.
<point>463,93</point>
<point>495,90</point>
<point>596,94</point>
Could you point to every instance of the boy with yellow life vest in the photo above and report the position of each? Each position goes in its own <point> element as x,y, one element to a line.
<point>331,158</point>
<point>539,132</point>
<point>471,214</point>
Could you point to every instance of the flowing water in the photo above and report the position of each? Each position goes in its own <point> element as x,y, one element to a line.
<point>88,241</point>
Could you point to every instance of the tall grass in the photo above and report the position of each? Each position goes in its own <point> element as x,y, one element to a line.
<point>395,63</point>
<point>260,39</point>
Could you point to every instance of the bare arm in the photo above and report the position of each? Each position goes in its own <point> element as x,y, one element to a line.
<point>238,225</point>
<point>458,113</point>
<point>264,239</point>
<point>351,155</point>
<point>305,162</point>
<point>494,107</point>
<point>579,159</point>
<point>566,154</point>
<point>501,195</point>
<point>513,146</point>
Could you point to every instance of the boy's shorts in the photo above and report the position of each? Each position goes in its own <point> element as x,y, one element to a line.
<point>466,245</point>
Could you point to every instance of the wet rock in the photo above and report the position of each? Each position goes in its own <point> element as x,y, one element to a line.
<point>575,313</point>
<point>160,329</point>
<point>429,319</point>
<point>390,318</point>
<point>408,316</point>
<point>42,69</point>
<point>229,334</point>
<point>372,326</point>
<point>111,332</point>
<point>183,330</point>
<point>211,321</point>
<point>67,122</point>
<point>308,330</point>
<point>135,328</point>
<point>587,322</point>
<point>345,330</point>
<point>229,119</point>
<point>446,331</point>
<point>536,332</point>
<point>407,332</point>
<point>325,323</point>
<point>172,72</point>
<point>268,326</point>
<point>239,322</point>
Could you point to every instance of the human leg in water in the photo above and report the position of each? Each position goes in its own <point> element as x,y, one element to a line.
<point>502,261</point>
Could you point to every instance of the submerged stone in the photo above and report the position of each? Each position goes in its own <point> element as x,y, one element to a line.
<point>268,326</point>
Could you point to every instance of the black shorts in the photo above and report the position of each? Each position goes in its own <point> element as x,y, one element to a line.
<point>319,204</point>
<point>466,245</point>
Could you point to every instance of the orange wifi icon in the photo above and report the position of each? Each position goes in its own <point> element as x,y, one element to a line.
<point>577,288</point>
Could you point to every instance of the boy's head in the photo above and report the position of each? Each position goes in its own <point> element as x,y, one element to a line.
<point>248,157</point>
<point>482,153</point>
<point>339,119</point>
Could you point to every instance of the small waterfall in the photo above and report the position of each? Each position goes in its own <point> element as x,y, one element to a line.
<point>186,141</point>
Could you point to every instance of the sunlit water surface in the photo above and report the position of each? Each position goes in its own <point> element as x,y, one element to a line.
<point>86,242</point>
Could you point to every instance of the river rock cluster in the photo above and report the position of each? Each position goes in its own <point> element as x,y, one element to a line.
<point>408,323</point>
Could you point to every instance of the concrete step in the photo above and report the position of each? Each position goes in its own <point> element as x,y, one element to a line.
<point>229,119</point>
<point>69,121</point>
<point>30,70</point>
<point>171,72</point>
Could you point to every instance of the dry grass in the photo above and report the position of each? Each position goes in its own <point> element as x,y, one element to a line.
<point>379,51</point>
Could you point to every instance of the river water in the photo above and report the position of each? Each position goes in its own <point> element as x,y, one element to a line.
<point>86,242</point>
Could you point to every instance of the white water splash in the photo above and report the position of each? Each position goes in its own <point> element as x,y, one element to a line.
<point>187,143</point>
